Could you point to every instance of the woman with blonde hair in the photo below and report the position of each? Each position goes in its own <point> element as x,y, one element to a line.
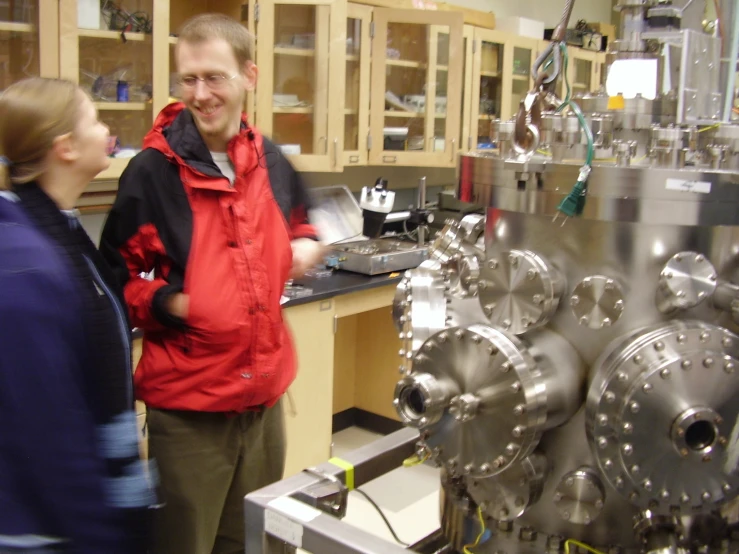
<point>71,479</point>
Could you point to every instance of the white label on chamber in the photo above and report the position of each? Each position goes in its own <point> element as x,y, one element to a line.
<point>282,526</point>
<point>682,185</point>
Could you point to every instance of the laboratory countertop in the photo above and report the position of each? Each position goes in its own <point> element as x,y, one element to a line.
<point>339,282</point>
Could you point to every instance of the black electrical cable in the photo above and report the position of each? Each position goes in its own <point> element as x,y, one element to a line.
<point>382,515</point>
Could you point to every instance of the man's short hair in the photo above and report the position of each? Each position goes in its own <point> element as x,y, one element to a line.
<point>209,26</point>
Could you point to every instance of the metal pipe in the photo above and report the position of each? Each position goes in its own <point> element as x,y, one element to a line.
<point>421,206</point>
<point>291,519</point>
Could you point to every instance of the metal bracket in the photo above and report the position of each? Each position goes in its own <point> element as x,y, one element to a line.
<point>329,497</point>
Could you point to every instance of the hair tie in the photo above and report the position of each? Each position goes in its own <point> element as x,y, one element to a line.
<point>5,161</point>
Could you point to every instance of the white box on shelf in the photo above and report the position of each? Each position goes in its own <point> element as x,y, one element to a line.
<point>520,26</point>
<point>89,15</point>
<point>288,149</point>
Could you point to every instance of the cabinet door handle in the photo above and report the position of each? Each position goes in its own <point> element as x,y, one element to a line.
<point>454,143</point>
<point>336,151</point>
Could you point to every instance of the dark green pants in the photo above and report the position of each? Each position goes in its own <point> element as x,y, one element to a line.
<point>207,463</point>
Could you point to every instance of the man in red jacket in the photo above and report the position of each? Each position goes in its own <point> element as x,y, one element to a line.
<point>209,223</point>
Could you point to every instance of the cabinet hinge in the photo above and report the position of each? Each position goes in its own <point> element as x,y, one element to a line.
<point>369,141</point>
<point>372,29</point>
<point>256,12</point>
<point>474,46</point>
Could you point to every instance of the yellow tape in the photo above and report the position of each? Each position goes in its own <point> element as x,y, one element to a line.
<point>348,468</point>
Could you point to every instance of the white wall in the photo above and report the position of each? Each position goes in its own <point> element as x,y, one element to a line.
<point>548,11</point>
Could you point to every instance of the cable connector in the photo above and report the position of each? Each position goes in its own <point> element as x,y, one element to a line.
<point>584,173</point>
<point>574,203</point>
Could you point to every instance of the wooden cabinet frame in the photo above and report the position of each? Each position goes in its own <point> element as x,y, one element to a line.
<point>427,157</point>
<point>364,15</point>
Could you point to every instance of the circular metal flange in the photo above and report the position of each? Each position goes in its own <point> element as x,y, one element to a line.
<point>580,496</point>
<point>473,226</point>
<point>447,243</point>
<point>420,399</point>
<point>660,415</point>
<point>648,522</point>
<point>424,305</point>
<point>519,290</point>
<point>508,495</point>
<point>400,302</point>
<point>687,279</point>
<point>462,272</point>
<point>496,409</point>
<point>597,302</point>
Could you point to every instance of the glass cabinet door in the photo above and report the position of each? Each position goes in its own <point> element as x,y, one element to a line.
<point>488,77</point>
<point>417,63</point>
<point>582,71</point>
<point>441,36</point>
<point>29,34</point>
<point>109,49</point>
<point>356,102</point>
<point>300,55</point>
<point>519,56</point>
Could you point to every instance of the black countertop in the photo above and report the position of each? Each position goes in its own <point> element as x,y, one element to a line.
<point>340,282</point>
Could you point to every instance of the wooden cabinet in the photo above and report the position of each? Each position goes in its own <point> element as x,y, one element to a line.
<point>518,58</point>
<point>488,87</point>
<point>586,71</point>
<point>118,58</point>
<point>308,403</point>
<point>29,34</point>
<point>340,83</point>
<point>357,88</point>
<point>416,89</point>
<point>300,99</point>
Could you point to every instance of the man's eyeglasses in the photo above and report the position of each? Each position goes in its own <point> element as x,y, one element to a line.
<point>213,81</point>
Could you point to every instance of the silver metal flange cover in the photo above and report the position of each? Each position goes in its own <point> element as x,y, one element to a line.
<point>448,242</point>
<point>400,302</point>
<point>687,279</point>
<point>420,306</point>
<point>519,290</point>
<point>580,496</point>
<point>508,495</point>
<point>473,226</point>
<point>662,416</point>
<point>496,409</point>
<point>462,271</point>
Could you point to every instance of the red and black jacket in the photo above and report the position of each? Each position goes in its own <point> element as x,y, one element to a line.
<point>179,225</point>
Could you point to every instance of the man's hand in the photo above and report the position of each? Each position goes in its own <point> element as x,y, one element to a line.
<point>178,305</point>
<point>306,254</point>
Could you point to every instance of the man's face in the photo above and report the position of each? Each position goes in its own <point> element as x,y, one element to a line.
<point>216,94</point>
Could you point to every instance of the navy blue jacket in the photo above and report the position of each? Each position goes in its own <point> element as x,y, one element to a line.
<point>57,493</point>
